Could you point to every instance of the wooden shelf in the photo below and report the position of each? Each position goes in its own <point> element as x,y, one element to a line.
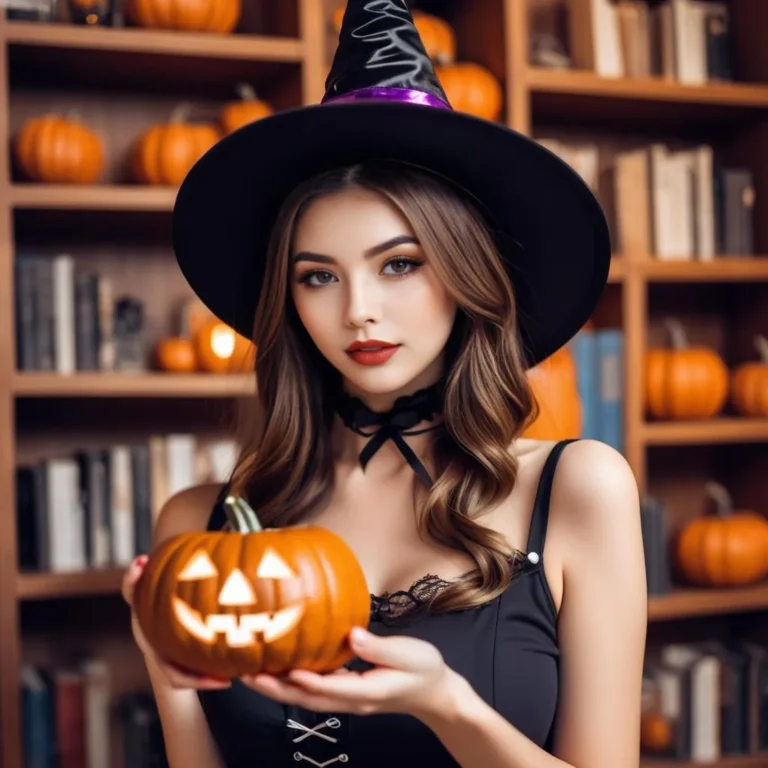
<point>145,60</point>
<point>132,385</point>
<point>41,586</point>
<point>722,269</point>
<point>586,83</point>
<point>134,40</point>
<point>747,269</point>
<point>555,93</point>
<point>93,197</point>
<point>732,761</point>
<point>705,432</point>
<point>686,602</point>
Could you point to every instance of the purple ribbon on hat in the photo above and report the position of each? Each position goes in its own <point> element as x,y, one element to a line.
<point>402,95</point>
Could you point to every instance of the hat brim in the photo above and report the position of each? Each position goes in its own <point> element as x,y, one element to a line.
<point>553,234</point>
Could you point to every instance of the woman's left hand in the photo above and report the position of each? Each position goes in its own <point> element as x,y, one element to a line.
<point>410,677</point>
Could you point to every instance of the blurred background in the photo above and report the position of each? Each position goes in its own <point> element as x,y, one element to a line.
<point>117,389</point>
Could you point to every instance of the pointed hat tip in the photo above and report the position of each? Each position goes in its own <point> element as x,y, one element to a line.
<point>380,55</point>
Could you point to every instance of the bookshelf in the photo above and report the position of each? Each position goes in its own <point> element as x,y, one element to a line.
<point>123,80</point>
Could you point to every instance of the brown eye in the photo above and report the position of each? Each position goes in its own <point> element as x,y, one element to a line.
<point>403,267</point>
<point>323,278</point>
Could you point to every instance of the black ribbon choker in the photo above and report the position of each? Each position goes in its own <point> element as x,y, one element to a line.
<point>406,413</point>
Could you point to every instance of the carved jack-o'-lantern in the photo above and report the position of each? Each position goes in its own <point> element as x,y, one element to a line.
<point>252,600</point>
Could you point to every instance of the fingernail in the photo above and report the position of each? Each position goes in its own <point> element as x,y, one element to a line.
<point>141,561</point>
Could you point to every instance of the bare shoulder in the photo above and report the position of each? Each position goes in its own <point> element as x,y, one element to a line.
<point>594,492</point>
<point>187,510</point>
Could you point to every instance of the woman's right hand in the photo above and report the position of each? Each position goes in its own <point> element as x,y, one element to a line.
<point>171,674</point>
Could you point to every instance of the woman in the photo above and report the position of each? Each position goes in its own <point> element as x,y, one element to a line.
<point>394,318</point>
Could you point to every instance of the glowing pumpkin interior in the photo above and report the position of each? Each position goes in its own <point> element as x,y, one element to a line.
<point>223,342</point>
<point>237,592</point>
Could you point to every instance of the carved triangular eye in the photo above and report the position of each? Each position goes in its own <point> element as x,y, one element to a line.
<point>200,566</point>
<point>272,566</point>
<point>236,590</point>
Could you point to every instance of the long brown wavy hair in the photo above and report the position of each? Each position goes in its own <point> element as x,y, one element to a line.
<point>285,468</point>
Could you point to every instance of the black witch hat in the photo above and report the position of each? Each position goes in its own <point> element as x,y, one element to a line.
<point>384,101</point>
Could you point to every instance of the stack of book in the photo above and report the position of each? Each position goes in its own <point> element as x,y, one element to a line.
<point>97,507</point>
<point>688,41</point>
<point>673,203</point>
<point>67,713</point>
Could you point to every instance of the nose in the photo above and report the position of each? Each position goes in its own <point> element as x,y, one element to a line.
<point>363,302</point>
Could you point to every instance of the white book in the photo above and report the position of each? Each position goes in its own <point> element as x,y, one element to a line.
<point>704,194</point>
<point>690,42</point>
<point>66,520</point>
<point>64,313</point>
<point>123,526</point>
<point>180,462</point>
<point>97,713</point>
<point>609,60</point>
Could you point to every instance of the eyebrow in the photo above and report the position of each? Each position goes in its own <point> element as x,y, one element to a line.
<point>368,254</point>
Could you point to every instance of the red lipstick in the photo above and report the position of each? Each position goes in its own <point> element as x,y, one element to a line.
<point>372,351</point>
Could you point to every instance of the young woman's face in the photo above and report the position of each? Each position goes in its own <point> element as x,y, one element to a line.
<point>358,275</point>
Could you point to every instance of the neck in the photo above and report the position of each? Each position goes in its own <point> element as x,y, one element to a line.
<point>348,445</point>
<point>399,435</point>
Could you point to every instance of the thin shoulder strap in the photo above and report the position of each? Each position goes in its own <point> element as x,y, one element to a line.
<point>218,516</point>
<point>538,530</point>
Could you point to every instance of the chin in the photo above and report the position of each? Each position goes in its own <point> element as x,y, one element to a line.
<point>384,379</point>
<point>377,380</point>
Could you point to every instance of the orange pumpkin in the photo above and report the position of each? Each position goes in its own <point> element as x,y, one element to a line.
<point>193,316</point>
<point>555,388</point>
<point>655,732</point>
<point>164,154</point>
<point>59,150</point>
<point>239,113</point>
<point>471,88</point>
<point>186,15</point>
<point>684,382</point>
<point>749,384</point>
<point>176,354</point>
<point>436,34</point>
<point>228,604</point>
<point>220,349</point>
<point>89,12</point>
<point>728,550</point>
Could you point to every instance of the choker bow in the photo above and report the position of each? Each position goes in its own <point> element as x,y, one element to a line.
<point>406,413</point>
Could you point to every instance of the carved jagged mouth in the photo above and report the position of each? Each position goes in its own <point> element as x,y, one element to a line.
<point>239,630</point>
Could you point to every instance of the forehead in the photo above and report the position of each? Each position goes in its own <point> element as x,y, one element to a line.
<point>347,223</point>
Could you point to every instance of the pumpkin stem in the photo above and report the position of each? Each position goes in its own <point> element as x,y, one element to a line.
<point>180,113</point>
<point>246,92</point>
<point>235,515</point>
<point>761,345</point>
<point>721,497</point>
<point>676,332</point>
<point>241,515</point>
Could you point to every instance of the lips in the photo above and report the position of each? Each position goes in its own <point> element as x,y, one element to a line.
<point>240,630</point>
<point>371,345</point>
<point>373,355</point>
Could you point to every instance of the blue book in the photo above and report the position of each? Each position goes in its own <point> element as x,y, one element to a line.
<point>584,350</point>
<point>37,716</point>
<point>610,357</point>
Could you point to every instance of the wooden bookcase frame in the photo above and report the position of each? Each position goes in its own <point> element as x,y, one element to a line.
<point>525,87</point>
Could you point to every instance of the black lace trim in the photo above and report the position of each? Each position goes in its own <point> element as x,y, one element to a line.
<point>393,606</point>
<point>406,604</point>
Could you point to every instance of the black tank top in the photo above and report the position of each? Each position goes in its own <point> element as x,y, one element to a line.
<point>507,649</point>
